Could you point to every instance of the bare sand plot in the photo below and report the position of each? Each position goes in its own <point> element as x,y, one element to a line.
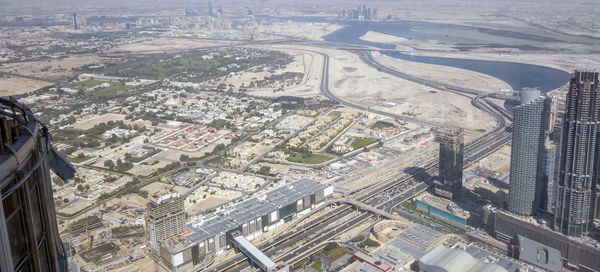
<point>309,30</point>
<point>133,200</point>
<point>443,74</point>
<point>75,205</point>
<point>564,61</point>
<point>160,45</point>
<point>145,170</point>
<point>373,36</point>
<point>210,202</point>
<point>17,85</point>
<point>96,120</point>
<point>163,187</point>
<point>369,87</point>
<point>148,264</point>
<point>404,44</point>
<point>53,70</point>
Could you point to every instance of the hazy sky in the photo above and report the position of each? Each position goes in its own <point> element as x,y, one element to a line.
<point>534,6</point>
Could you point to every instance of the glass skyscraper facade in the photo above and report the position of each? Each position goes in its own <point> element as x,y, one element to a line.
<point>525,180</point>
<point>578,164</point>
<point>29,237</point>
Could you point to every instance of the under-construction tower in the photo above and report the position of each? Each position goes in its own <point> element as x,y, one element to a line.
<point>576,188</point>
<point>449,181</point>
<point>166,218</point>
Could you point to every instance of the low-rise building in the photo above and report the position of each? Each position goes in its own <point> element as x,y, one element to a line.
<point>212,234</point>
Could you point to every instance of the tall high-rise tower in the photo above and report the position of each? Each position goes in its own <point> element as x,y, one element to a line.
<point>578,162</point>
<point>166,218</point>
<point>75,25</point>
<point>529,94</point>
<point>210,9</point>
<point>29,239</point>
<point>526,157</point>
<point>449,183</point>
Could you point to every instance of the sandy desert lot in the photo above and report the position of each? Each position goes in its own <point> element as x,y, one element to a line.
<point>161,45</point>
<point>96,120</point>
<point>54,70</point>
<point>312,31</point>
<point>353,80</point>
<point>10,85</point>
<point>444,74</point>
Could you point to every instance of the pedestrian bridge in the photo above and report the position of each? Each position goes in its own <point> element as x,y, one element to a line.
<point>256,257</point>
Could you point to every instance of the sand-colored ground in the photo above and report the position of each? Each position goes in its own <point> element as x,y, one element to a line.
<point>75,206</point>
<point>10,85</point>
<point>147,264</point>
<point>373,36</point>
<point>96,120</point>
<point>567,62</point>
<point>133,200</point>
<point>355,81</point>
<point>404,44</point>
<point>58,70</point>
<point>307,30</point>
<point>443,74</point>
<point>162,187</point>
<point>209,203</point>
<point>145,170</point>
<point>152,45</point>
<point>308,62</point>
<point>172,155</point>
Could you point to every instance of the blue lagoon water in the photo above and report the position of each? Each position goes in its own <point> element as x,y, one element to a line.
<point>517,75</point>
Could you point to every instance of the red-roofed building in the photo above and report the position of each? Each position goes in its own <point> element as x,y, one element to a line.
<point>371,261</point>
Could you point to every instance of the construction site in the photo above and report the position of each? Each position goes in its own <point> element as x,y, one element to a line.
<point>449,182</point>
<point>101,238</point>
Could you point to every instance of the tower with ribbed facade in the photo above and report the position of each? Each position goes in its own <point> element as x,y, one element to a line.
<point>525,188</point>
<point>578,163</point>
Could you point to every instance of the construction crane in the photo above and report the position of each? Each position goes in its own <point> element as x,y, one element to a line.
<point>146,234</point>
<point>99,202</point>
<point>87,230</point>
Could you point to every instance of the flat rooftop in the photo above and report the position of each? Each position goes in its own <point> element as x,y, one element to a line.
<point>177,243</point>
<point>443,204</point>
<point>232,217</point>
<point>421,235</point>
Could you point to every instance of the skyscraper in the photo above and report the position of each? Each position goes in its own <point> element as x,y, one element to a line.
<point>166,218</point>
<point>75,26</point>
<point>578,161</point>
<point>526,157</point>
<point>529,94</point>
<point>29,239</point>
<point>449,183</point>
<point>547,178</point>
<point>210,9</point>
